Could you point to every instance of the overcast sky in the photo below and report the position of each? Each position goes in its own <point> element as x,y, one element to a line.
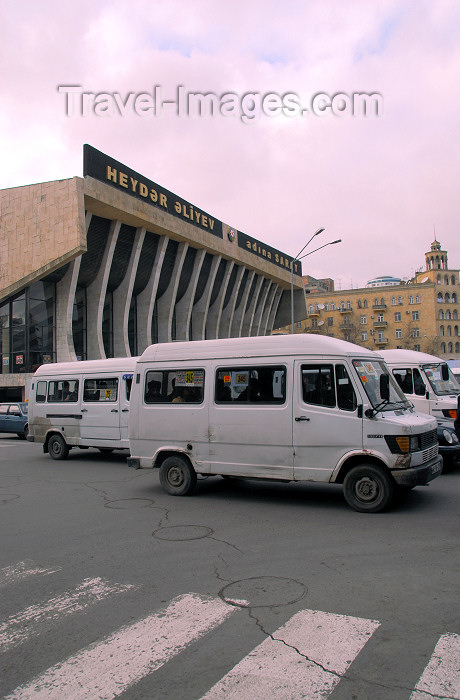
<point>383,183</point>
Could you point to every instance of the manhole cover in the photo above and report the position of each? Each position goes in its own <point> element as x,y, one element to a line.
<point>263,591</point>
<point>125,503</point>
<point>180,533</point>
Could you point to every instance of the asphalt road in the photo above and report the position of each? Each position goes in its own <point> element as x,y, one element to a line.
<point>110,587</point>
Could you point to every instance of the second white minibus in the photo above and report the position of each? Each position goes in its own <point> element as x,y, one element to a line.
<point>81,404</point>
<point>287,407</point>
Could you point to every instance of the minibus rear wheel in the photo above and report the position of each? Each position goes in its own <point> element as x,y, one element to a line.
<point>177,476</point>
<point>57,447</point>
<point>368,488</point>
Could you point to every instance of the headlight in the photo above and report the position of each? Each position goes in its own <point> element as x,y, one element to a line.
<point>449,436</point>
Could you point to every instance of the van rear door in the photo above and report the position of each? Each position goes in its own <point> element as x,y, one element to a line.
<point>326,425</point>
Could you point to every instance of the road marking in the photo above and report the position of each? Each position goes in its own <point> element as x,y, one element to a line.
<point>106,669</point>
<point>22,570</point>
<point>305,658</point>
<point>25,624</point>
<point>441,677</point>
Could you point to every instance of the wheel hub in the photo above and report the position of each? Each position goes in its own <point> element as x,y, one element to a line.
<point>175,476</point>
<point>366,489</point>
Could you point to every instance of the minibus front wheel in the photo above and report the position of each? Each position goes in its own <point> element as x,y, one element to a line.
<point>177,476</point>
<point>57,447</point>
<point>368,488</point>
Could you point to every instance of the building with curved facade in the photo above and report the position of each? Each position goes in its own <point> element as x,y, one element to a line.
<point>106,264</point>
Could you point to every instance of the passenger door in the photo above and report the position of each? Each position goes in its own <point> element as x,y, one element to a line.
<point>326,425</point>
<point>250,422</point>
<point>100,409</point>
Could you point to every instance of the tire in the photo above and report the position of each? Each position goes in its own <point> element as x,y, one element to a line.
<point>177,476</point>
<point>368,489</point>
<point>57,447</point>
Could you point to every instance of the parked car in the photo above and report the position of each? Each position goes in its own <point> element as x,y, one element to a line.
<point>449,445</point>
<point>14,419</point>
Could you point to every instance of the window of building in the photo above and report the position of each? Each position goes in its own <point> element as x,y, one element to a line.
<point>440,298</point>
<point>448,315</point>
<point>440,314</point>
<point>365,304</point>
<point>454,298</point>
<point>417,298</point>
<point>415,315</point>
<point>174,386</point>
<point>360,304</point>
<point>447,298</point>
<point>438,279</point>
<point>348,304</point>
<point>330,321</point>
<point>379,318</point>
<point>397,316</point>
<point>417,347</point>
<point>411,299</point>
<point>364,335</point>
<point>332,306</point>
<point>398,333</point>
<point>314,323</point>
<point>446,279</point>
<point>400,300</point>
<point>381,336</point>
<point>416,332</point>
<point>450,347</point>
<point>393,301</point>
<point>363,320</point>
<point>248,385</point>
<point>441,330</point>
<point>449,330</point>
<point>452,280</point>
<point>443,348</point>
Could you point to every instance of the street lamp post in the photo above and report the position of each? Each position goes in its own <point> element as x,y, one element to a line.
<point>300,257</point>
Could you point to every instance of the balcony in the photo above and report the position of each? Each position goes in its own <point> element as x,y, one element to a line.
<point>379,306</point>
<point>381,341</point>
<point>346,325</point>
<point>380,324</point>
<point>345,310</point>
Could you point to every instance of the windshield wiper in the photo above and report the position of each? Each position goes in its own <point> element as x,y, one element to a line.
<point>370,412</point>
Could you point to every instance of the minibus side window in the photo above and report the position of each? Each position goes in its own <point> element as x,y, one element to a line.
<point>100,390</point>
<point>40,396</point>
<point>318,385</point>
<point>404,379</point>
<point>346,397</point>
<point>174,386</point>
<point>63,390</point>
<point>243,385</point>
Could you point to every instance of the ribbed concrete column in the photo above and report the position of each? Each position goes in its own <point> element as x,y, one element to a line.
<point>65,298</point>
<point>215,311</point>
<point>252,305</point>
<point>254,328</point>
<point>266,310</point>
<point>227,313</point>
<point>122,299</point>
<point>146,299</point>
<point>274,309</point>
<point>95,297</point>
<point>200,309</point>
<point>165,305</point>
<point>238,316</point>
<point>185,305</point>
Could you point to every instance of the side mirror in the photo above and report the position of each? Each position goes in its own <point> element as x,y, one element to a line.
<point>427,395</point>
<point>384,387</point>
<point>444,372</point>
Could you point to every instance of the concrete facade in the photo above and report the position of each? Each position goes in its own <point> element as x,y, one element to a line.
<point>147,267</point>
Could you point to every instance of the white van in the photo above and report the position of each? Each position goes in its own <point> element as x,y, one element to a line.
<point>426,380</point>
<point>81,404</point>
<point>287,407</point>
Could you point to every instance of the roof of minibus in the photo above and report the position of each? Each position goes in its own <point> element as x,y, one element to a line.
<point>112,364</point>
<point>257,346</point>
<point>401,356</point>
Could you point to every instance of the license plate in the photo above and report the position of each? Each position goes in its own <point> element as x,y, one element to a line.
<point>436,468</point>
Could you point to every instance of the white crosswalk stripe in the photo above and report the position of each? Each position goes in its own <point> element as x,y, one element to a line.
<point>22,570</point>
<point>106,669</point>
<point>441,678</point>
<point>26,624</point>
<point>303,659</point>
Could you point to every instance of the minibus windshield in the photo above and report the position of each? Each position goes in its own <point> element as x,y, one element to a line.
<point>369,372</point>
<point>441,386</point>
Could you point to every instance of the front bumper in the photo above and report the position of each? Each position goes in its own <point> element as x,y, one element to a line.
<point>418,476</point>
<point>450,453</point>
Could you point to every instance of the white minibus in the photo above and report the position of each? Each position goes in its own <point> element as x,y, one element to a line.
<point>426,380</point>
<point>287,407</point>
<point>81,404</point>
